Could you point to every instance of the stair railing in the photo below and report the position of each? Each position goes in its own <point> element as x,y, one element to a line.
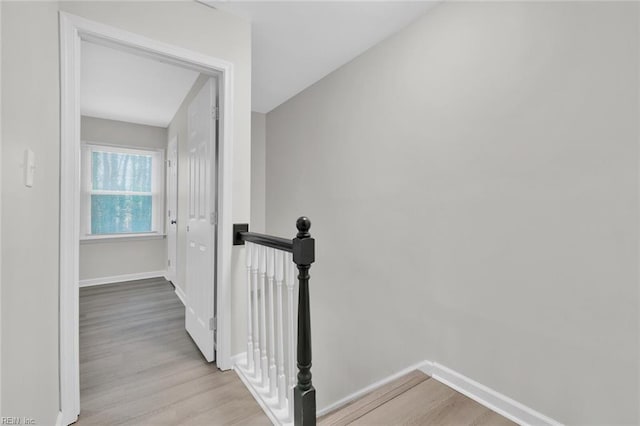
<point>270,327</point>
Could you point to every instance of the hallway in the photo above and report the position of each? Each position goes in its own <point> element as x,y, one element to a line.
<point>139,366</point>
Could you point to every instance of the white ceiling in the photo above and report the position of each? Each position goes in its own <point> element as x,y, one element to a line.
<point>122,86</point>
<point>296,43</point>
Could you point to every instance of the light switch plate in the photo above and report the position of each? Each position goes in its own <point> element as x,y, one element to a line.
<point>29,167</point>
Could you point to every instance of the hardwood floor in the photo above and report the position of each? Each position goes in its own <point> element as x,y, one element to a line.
<point>138,365</point>
<point>414,399</point>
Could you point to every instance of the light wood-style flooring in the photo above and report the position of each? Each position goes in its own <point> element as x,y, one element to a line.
<point>138,365</point>
<point>415,399</point>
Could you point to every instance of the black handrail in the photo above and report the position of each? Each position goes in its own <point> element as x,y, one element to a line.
<point>303,249</point>
<point>267,240</point>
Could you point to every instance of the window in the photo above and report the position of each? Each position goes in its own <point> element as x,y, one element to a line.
<point>122,191</point>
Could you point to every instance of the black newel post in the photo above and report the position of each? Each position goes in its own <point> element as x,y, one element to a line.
<point>304,394</point>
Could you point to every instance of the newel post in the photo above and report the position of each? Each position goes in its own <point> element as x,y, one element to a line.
<point>304,394</point>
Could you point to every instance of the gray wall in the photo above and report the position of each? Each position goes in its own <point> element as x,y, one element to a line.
<point>258,176</point>
<point>178,128</point>
<point>30,119</point>
<point>30,240</point>
<point>108,258</point>
<point>472,184</point>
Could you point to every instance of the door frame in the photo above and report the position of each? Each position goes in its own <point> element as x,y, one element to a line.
<point>172,277</point>
<point>73,29</point>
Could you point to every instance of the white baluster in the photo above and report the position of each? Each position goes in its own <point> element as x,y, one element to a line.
<point>271,322</point>
<point>256,330</point>
<point>292,327</point>
<point>264,361</point>
<point>282,380</point>
<point>248,248</point>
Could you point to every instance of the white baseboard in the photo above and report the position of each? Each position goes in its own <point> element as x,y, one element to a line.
<point>501,404</point>
<point>59,419</point>
<point>480,393</point>
<point>275,416</point>
<point>362,392</point>
<point>238,358</point>
<point>121,278</point>
<point>181,295</point>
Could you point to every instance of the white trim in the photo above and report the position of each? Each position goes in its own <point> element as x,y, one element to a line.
<point>0,216</point>
<point>240,359</point>
<point>72,30</point>
<point>362,392</point>
<point>501,404</point>
<point>119,149</point>
<point>69,219</point>
<point>89,282</point>
<point>59,419</point>
<point>181,295</point>
<point>225,220</point>
<point>110,238</point>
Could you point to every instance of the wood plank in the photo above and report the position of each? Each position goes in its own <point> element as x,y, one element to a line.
<point>373,400</point>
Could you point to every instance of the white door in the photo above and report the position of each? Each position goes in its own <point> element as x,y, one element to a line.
<point>200,220</point>
<point>172,210</point>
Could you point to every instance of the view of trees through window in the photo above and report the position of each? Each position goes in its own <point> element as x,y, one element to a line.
<point>121,197</point>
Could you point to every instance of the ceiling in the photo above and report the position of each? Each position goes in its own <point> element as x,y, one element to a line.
<point>122,86</point>
<point>296,43</point>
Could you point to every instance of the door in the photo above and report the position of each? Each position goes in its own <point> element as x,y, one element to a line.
<point>172,210</point>
<point>201,218</point>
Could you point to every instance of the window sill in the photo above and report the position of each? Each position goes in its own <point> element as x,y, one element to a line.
<point>122,237</point>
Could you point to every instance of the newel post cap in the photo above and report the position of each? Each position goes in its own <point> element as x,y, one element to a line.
<point>303,224</point>
<point>303,244</point>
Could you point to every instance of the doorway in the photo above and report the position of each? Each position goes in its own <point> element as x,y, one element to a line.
<point>74,30</point>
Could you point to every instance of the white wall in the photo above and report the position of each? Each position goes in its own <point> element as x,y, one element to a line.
<point>30,88</point>
<point>472,184</point>
<point>111,258</point>
<point>258,173</point>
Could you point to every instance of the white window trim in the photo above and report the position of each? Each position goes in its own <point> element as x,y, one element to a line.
<point>157,191</point>
<point>123,237</point>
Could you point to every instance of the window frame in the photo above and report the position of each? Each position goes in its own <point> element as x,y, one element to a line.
<point>157,190</point>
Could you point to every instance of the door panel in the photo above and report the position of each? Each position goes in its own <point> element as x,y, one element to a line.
<point>200,224</point>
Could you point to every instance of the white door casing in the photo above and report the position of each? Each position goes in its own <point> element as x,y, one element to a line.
<point>201,220</point>
<point>73,29</point>
<point>172,210</point>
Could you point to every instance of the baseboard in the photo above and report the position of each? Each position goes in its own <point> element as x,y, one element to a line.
<point>274,416</point>
<point>121,278</point>
<point>181,295</point>
<point>362,392</point>
<point>501,404</point>
<point>59,419</point>
<point>238,358</point>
